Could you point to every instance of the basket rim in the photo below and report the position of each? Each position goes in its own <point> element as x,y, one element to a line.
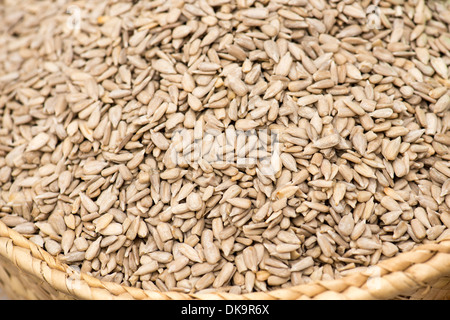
<point>401,274</point>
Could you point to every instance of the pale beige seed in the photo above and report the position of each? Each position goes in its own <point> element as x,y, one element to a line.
<point>250,258</point>
<point>125,173</point>
<point>9,76</point>
<point>442,167</point>
<point>224,275</point>
<point>346,225</point>
<point>445,218</point>
<point>93,250</point>
<point>289,162</point>
<point>260,112</point>
<point>117,244</point>
<point>384,69</point>
<point>421,215</point>
<point>286,247</point>
<point>413,135</point>
<point>245,124</point>
<point>173,120</point>
<point>389,249</point>
<point>67,240</point>
<point>418,229</point>
<point>170,174</point>
<point>5,174</point>
<point>382,113</point>
<point>164,231</point>
<point>360,143</point>
<point>163,66</point>
<point>272,50</point>
<point>434,232</point>
<point>354,11</point>
<point>237,85</point>
<point>383,54</point>
<point>236,51</point>
<point>390,217</point>
<point>103,221</point>
<point>353,72</point>
<point>302,264</point>
<point>249,281</point>
<point>188,82</point>
<point>431,123</point>
<point>138,157</point>
<point>288,237</point>
<point>88,203</point>
<point>240,202</point>
<point>210,37</point>
<point>113,229</point>
<point>392,148</point>
<point>94,167</point>
<point>189,252</point>
<point>160,141</point>
<point>13,220</point>
<point>262,212</point>
<point>339,192</point>
<point>64,180</point>
<point>181,31</point>
<point>400,230</point>
<point>367,243</point>
<point>53,247</point>
<point>358,230</point>
<point>194,202</point>
<point>354,106</point>
<point>327,141</point>
<point>211,251</point>
<point>321,183</point>
<point>390,204</point>
<point>439,66</point>
<point>290,15</point>
<point>177,264</point>
<point>324,244</point>
<point>256,13</point>
<point>232,192</point>
<point>273,89</point>
<point>284,193</point>
<point>276,280</point>
<point>161,256</point>
<point>38,141</point>
<point>284,66</point>
<point>442,104</point>
<point>209,66</point>
<point>72,257</point>
<point>179,208</point>
<point>119,93</point>
<point>365,170</point>
<point>438,92</point>
<point>317,206</point>
<point>393,194</point>
<point>427,202</point>
<point>205,281</point>
<point>81,244</point>
<point>147,268</point>
<point>323,84</point>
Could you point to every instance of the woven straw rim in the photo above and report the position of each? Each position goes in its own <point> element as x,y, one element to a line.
<point>400,275</point>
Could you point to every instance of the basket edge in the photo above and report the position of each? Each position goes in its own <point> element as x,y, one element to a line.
<point>434,258</point>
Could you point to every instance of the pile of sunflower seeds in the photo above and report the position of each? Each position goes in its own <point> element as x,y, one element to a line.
<point>225,145</point>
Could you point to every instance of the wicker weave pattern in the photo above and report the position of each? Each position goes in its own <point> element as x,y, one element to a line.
<point>28,272</point>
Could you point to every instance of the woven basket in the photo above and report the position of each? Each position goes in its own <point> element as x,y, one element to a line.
<point>29,272</point>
